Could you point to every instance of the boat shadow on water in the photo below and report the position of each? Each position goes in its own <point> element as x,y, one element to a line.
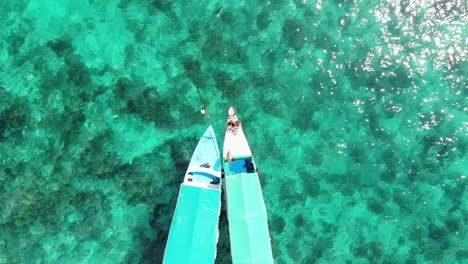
<point>160,220</point>
<point>154,250</point>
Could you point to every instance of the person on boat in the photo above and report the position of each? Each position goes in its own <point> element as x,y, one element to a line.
<point>233,124</point>
<point>229,157</point>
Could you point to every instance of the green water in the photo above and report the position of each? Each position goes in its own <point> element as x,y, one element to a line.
<point>355,112</point>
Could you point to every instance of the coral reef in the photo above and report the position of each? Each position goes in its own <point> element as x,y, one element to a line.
<point>355,112</point>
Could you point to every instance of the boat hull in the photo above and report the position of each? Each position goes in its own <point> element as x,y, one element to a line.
<point>194,229</point>
<point>248,228</point>
<point>246,211</point>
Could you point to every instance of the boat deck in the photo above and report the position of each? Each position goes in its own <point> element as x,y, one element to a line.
<point>194,229</point>
<point>248,228</point>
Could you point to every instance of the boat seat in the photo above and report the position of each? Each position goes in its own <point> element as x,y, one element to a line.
<point>242,166</point>
<point>204,174</point>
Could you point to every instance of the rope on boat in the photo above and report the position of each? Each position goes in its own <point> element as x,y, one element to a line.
<point>204,111</point>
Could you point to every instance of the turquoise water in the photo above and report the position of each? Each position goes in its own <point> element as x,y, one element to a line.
<point>355,111</point>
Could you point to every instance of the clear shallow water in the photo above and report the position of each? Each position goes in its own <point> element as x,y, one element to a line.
<point>355,111</point>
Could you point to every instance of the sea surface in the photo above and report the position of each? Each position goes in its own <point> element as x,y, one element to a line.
<point>356,112</point>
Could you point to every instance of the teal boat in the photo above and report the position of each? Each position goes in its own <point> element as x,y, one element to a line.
<point>247,216</point>
<point>194,230</point>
